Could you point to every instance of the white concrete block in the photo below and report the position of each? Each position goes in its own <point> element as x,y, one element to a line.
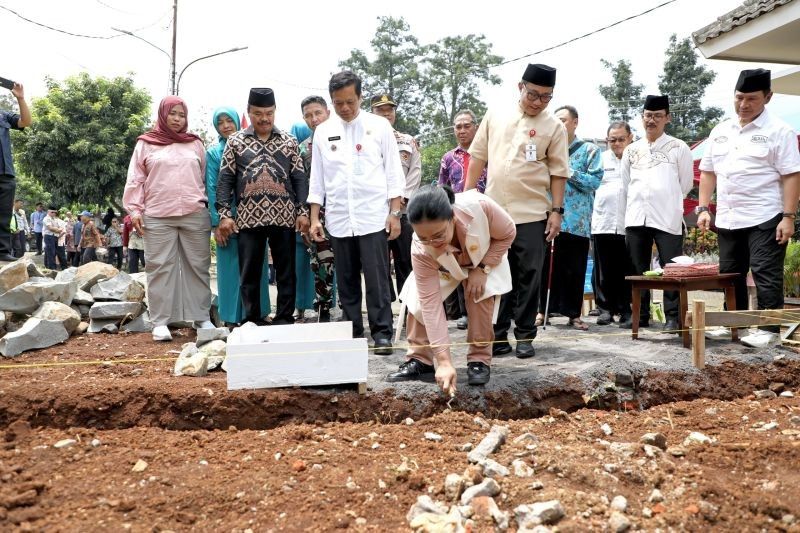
<point>295,355</point>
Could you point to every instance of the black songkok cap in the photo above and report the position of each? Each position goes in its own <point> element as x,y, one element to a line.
<point>654,102</point>
<point>539,74</point>
<point>754,80</point>
<point>261,97</point>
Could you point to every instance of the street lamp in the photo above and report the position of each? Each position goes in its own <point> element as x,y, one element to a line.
<point>173,85</point>
<point>192,62</point>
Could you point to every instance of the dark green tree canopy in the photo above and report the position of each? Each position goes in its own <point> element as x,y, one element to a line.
<point>394,70</point>
<point>685,81</point>
<point>82,137</point>
<point>454,68</point>
<point>623,96</point>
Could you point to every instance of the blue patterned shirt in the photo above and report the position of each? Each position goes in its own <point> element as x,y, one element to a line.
<point>586,173</point>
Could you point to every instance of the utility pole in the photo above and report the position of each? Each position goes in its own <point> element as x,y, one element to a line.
<point>174,47</point>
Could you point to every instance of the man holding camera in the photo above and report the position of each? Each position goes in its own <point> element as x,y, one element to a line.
<point>8,183</point>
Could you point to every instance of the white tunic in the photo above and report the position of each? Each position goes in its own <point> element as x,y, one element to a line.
<point>355,171</point>
<point>749,162</point>
<point>608,215</point>
<point>656,177</point>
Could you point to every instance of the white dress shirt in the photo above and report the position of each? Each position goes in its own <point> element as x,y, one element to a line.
<point>656,177</point>
<point>608,214</point>
<point>54,222</point>
<point>749,162</point>
<point>356,203</point>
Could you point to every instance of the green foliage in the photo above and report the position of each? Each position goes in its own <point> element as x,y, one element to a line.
<point>623,96</point>
<point>686,82</point>
<point>8,102</point>
<point>791,270</point>
<point>431,156</point>
<point>454,68</point>
<point>393,70</point>
<point>82,137</point>
<point>430,83</point>
<point>31,192</point>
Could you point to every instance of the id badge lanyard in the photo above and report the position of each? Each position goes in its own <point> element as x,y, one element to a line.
<point>530,148</point>
<point>357,168</point>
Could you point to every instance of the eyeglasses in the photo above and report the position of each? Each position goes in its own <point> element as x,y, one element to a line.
<point>654,116</point>
<point>532,96</point>
<point>617,139</point>
<point>439,238</point>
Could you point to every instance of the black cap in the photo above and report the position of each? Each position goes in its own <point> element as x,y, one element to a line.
<point>261,97</point>
<point>52,208</point>
<point>382,99</point>
<point>539,74</point>
<point>750,81</point>
<point>653,102</point>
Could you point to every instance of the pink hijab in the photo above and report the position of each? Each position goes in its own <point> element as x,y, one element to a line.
<point>162,135</point>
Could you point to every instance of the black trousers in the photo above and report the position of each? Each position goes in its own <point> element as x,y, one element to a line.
<point>639,241</point>
<point>525,257</point>
<point>569,275</point>
<point>88,255</point>
<point>754,249</point>
<point>368,253</point>
<point>38,235</point>
<point>251,262</point>
<point>401,253</point>
<point>18,243</point>
<point>611,264</point>
<point>115,256</point>
<point>8,187</point>
<point>134,256</point>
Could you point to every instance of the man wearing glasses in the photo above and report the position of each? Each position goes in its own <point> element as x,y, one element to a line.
<point>524,149</point>
<point>453,173</point>
<point>657,171</point>
<point>612,292</point>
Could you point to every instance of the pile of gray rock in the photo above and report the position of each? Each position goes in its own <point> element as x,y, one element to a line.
<point>41,308</point>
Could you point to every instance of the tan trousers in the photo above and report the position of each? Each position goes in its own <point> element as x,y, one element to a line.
<point>479,330</point>
<point>178,256</point>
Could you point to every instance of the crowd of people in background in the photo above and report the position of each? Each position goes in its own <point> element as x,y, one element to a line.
<point>340,202</point>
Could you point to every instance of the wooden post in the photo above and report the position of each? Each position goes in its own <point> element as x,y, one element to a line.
<point>698,334</point>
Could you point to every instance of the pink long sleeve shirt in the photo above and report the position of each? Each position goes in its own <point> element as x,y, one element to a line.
<point>166,181</point>
<point>426,268</point>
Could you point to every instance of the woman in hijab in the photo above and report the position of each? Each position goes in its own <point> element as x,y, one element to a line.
<point>166,198</point>
<point>229,297</point>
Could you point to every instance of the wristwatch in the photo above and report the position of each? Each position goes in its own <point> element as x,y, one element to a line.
<point>486,268</point>
<point>789,215</point>
<point>397,213</point>
<point>559,210</point>
<point>701,209</point>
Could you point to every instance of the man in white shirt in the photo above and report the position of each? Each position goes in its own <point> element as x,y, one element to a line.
<point>611,292</point>
<point>52,229</point>
<point>754,163</point>
<point>657,172</point>
<point>356,173</point>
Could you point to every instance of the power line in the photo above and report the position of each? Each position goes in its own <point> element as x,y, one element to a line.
<point>26,19</point>
<point>559,45</point>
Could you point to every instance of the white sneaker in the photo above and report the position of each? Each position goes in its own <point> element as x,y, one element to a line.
<point>717,333</point>
<point>205,324</point>
<point>761,339</point>
<point>161,333</point>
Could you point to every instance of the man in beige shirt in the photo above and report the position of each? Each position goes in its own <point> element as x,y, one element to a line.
<point>525,148</point>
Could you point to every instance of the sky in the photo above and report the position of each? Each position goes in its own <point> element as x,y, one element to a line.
<point>294,47</point>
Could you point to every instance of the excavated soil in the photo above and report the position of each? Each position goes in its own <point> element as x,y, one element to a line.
<point>325,459</point>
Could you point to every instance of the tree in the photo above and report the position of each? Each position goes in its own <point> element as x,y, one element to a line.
<point>454,68</point>
<point>623,96</point>
<point>394,70</point>
<point>8,102</point>
<point>431,155</point>
<point>82,137</point>
<point>685,82</point>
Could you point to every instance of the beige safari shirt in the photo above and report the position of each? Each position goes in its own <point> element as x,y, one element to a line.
<point>521,187</point>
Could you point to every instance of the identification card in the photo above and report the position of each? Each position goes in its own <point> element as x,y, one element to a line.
<point>357,168</point>
<point>530,152</point>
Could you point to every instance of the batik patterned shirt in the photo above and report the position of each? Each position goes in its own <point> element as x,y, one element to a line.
<point>267,177</point>
<point>586,173</point>
<point>453,171</point>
